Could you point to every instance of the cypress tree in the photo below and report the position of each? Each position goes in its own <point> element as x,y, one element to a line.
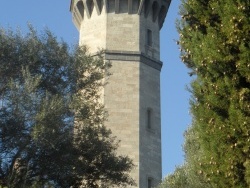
<point>215,45</point>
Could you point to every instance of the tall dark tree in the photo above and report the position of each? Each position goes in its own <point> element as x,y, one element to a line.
<point>52,129</point>
<point>215,44</point>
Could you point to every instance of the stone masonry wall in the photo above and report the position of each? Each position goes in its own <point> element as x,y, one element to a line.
<point>121,99</point>
<point>123,32</point>
<point>150,137</point>
<point>93,32</point>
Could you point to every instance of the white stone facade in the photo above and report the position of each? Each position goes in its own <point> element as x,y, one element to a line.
<point>128,32</point>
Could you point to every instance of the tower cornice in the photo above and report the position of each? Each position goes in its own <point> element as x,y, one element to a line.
<point>132,56</point>
<point>82,9</point>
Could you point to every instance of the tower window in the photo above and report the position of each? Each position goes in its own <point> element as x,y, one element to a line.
<point>155,8</point>
<point>162,15</point>
<point>149,118</point>
<point>111,6</point>
<point>80,8</point>
<point>149,37</point>
<point>147,3</point>
<point>150,183</point>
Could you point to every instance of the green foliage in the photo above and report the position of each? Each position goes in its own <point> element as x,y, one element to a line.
<point>187,175</point>
<point>215,45</point>
<point>51,120</point>
<point>176,180</point>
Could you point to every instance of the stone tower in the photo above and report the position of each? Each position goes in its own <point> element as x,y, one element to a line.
<point>129,32</point>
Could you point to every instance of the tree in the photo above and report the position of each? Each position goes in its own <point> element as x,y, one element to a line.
<point>188,174</point>
<point>215,45</point>
<point>51,120</point>
<point>178,179</point>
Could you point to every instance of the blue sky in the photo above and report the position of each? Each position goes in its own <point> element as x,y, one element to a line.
<point>55,15</point>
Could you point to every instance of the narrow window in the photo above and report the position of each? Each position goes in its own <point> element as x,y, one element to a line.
<point>155,8</point>
<point>111,6</point>
<point>150,183</point>
<point>146,7</point>
<point>149,37</point>
<point>149,118</point>
<point>90,6</point>
<point>162,15</point>
<point>80,8</point>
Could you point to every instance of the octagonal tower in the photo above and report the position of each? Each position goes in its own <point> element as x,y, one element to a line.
<point>129,33</point>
